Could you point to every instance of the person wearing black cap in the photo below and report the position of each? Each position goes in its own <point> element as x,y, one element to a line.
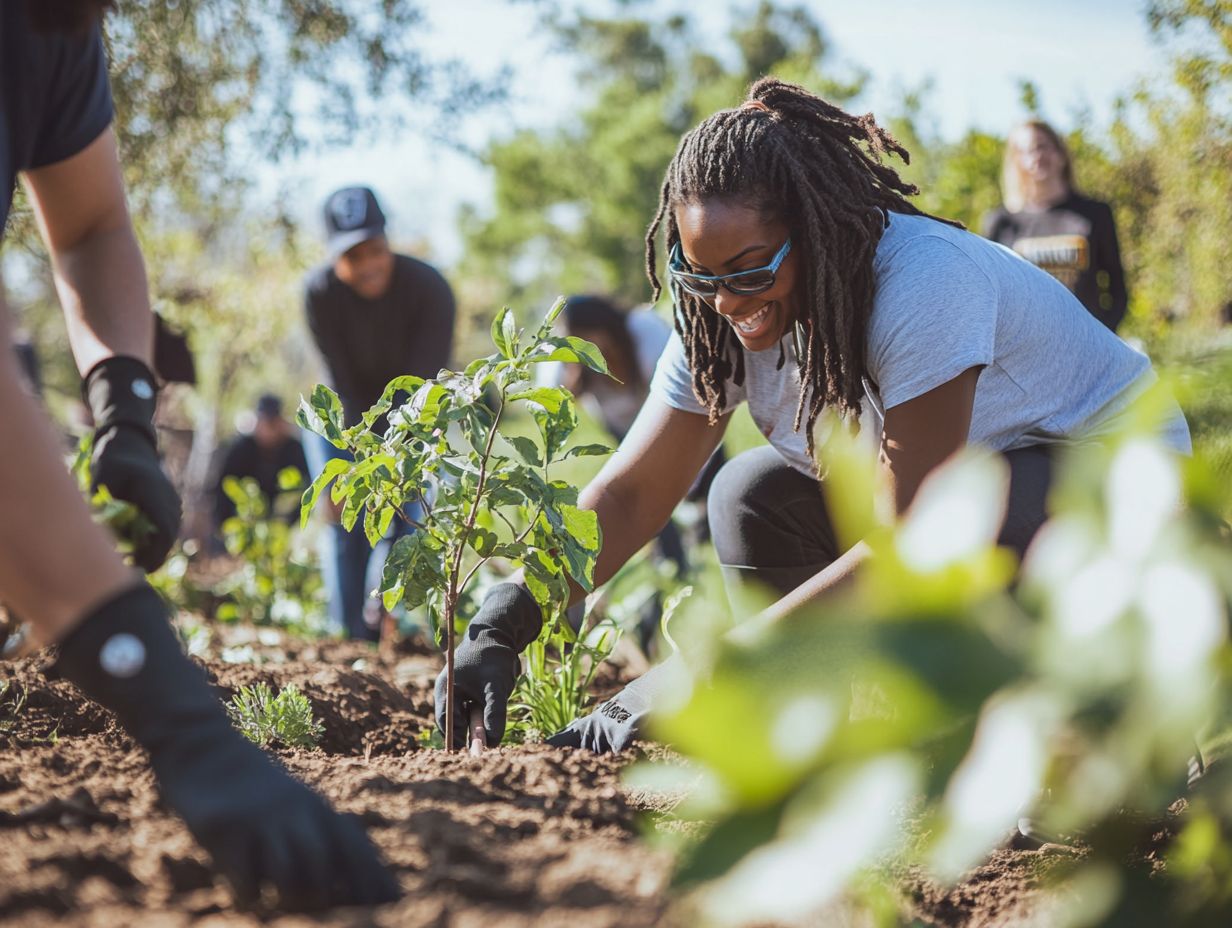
<point>58,569</point>
<point>374,315</point>
<point>262,454</point>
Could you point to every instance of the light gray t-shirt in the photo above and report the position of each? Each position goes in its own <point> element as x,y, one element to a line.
<point>947,300</point>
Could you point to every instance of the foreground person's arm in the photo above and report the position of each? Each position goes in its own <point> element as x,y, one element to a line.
<point>59,571</point>
<point>634,496</point>
<point>919,435</point>
<point>101,282</point>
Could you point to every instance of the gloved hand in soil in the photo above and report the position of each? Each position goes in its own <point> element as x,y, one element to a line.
<point>121,394</point>
<point>617,723</point>
<point>261,827</point>
<point>485,661</point>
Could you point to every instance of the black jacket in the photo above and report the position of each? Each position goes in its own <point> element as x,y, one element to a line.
<point>367,343</point>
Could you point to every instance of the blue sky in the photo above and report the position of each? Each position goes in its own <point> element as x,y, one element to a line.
<point>1080,53</point>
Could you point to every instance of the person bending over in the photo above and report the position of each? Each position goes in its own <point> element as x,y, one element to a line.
<point>58,569</point>
<point>262,455</point>
<point>374,316</point>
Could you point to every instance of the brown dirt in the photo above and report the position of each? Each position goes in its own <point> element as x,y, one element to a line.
<point>520,836</point>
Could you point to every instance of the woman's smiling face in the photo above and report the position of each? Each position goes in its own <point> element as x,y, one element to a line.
<point>726,236</point>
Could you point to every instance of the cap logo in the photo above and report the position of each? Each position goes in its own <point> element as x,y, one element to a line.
<point>349,208</point>
<point>143,390</point>
<point>122,656</point>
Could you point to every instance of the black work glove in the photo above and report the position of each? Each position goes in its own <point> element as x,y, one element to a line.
<point>618,722</point>
<point>260,826</point>
<point>121,394</point>
<point>485,662</point>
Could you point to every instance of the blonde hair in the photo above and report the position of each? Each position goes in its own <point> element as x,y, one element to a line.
<point>1012,182</point>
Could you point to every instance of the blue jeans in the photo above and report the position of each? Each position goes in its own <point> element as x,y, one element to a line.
<point>350,567</point>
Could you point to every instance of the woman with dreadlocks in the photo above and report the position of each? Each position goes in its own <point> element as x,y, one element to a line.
<point>804,280</point>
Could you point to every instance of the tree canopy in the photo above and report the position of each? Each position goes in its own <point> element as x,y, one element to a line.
<point>570,203</point>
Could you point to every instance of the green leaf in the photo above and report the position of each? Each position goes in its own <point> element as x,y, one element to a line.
<point>290,478</point>
<point>550,398</point>
<point>322,414</point>
<point>514,551</point>
<point>396,565</point>
<point>545,327</point>
<point>354,505</point>
<point>576,532</point>
<point>555,427</point>
<point>728,843</point>
<point>544,579</point>
<point>405,384</point>
<point>505,333</point>
<point>376,523</point>
<point>526,483</point>
<point>483,541</point>
<point>333,467</point>
<point>425,407</point>
<point>578,451</point>
<point>562,493</point>
<point>414,570</point>
<point>571,349</point>
<point>527,449</point>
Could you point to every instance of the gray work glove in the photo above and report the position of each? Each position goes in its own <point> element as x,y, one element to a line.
<point>617,723</point>
<point>485,663</point>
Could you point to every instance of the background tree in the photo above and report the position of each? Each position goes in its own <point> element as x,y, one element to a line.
<point>205,91</point>
<point>571,201</point>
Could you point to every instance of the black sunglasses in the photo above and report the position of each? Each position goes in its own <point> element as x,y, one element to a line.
<point>742,283</point>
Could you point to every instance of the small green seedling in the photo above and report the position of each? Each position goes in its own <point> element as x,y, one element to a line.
<point>470,491</point>
<point>283,720</point>
<point>12,704</point>
<point>555,689</point>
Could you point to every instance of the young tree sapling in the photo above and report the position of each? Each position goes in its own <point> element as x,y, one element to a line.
<point>433,453</point>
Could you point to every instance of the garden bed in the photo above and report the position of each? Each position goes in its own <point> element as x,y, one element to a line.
<point>520,836</point>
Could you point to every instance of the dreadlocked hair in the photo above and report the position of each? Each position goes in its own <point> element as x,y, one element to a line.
<point>789,153</point>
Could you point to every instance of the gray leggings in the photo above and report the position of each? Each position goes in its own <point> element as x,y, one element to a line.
<point>769,521</point>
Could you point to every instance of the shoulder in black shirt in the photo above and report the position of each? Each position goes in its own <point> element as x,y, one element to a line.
<point>54,96</point>
<point>367,343</point>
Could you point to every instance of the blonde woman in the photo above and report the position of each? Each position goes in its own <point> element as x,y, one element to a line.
<point>1047,221</point>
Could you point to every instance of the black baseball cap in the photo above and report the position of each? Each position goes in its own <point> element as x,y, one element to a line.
<point>352,216</point>
<point>269,406</point>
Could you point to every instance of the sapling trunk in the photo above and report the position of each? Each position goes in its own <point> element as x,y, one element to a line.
<point>449,697</point>
<point>479,735</point>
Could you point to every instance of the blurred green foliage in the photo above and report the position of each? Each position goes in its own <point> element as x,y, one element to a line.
<point>918,715</point>
<point>570,202</point>
<point>278,580</point>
